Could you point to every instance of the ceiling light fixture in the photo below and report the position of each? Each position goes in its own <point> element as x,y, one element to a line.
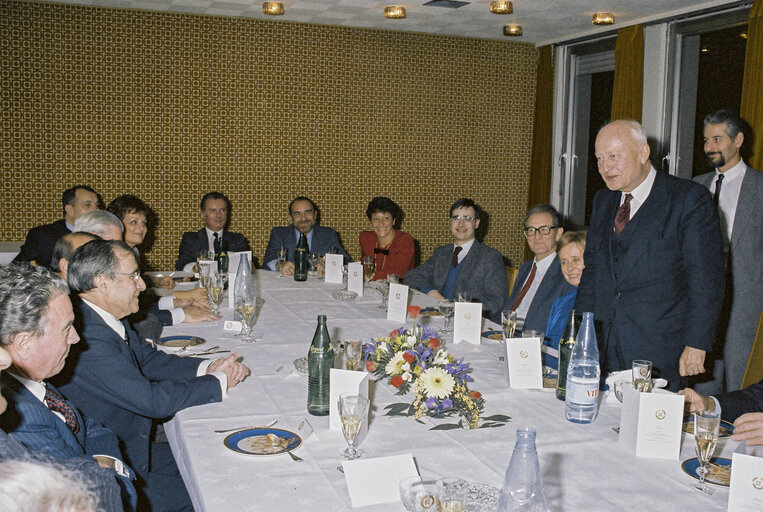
<point>395,12</point>
<point>512,30</point>
<point>272,8</point>
<point>603,18</point>
<point>499,7</point>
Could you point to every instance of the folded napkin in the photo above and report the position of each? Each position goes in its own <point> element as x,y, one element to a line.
<point>624,376</point>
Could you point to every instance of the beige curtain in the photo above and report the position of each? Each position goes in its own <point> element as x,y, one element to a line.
<point>540,161</point>
<point>628,88</point>
<point>752,92</point>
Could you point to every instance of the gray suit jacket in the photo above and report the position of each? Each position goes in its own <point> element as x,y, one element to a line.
<point>745,250</point>
<point>482,277</point>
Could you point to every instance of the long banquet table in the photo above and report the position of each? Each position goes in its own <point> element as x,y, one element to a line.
<point>584,468</point>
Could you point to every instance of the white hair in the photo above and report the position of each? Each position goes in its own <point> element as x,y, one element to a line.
<point>637,131</point>
<point>27,486</point>
<point>97,222</point>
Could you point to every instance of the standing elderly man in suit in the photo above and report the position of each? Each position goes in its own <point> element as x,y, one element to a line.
<point>118,379</point>
<point>40,240</point>
<point>36,332</point>
<point>320,240</point>
<point>738,193</point>
<point>465,267</point>
<point>654,261</point>
<point>541,278</point>
<point>215,210</point>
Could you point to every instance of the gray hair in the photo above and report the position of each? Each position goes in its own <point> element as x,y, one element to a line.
<point>733,122</point>
<point>637,131</point>
<point>96,222</point>
<point>25,293</point>
<point>93,259</point>
<point>27,485</point>
<point>64,249</point>
<point>545,208</point>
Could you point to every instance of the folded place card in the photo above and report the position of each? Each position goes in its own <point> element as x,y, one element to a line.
<point>650,423</point>
<point>234,259</point>
<point>334,266</point>
<point>355,278</point>
<point>746,492</point>
<point>397,305</point>
<point>305,430</point>
<point>231,289</point>
<point>467,324</point>
<point>524,360</point>
<point>232,326</point>
<point>371,481</point>
<point>345,381</point>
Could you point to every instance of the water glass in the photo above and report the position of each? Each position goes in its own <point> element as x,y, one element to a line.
<point>446,308</point>
<point>419,493</point>
<point>452,494</point>
<point>352,353</point>
<point>642,375</point>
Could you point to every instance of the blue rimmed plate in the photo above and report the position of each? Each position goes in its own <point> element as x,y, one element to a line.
<point>180,341</point>
<point>431,311</point>
<point>262,441</point>
<point>725,429</point>
<point>493,335</point>
<point>719,470</point>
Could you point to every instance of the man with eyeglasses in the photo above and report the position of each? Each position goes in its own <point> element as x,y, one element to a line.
<point>466,267</point>
<point>116,378</point>
<point>304,217</point>
<point>540,280</point>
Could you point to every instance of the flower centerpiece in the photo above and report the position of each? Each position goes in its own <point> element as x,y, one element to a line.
<point>415,359</point>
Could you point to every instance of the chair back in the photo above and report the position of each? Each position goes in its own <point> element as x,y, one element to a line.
<point>511,276</point>
<point>754,371</point>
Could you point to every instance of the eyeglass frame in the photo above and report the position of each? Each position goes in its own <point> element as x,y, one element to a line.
<point>135,275</point>
<point>530,231</point>
<point>462,218</point>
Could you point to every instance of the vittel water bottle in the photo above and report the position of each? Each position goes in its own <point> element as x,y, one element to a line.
<point>583,375</point>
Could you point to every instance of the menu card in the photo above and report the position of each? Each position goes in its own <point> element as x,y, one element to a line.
<point>397,305</point>
<point>355,278</point>
<point>650,423</point>
<point>746,492</point>
<point>345,381</point>
<point>334,266</point>
<point>371,481</point>
<point>523,356</point>
<point>467,322</point>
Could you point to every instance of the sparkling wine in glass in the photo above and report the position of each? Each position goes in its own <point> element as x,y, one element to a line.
<point>248,309</point>
<point>352,353</point>
<point>446,310</point>
<point>368,267</point>
<point>281,260</point>
<point>706,425</point>
<point>508,324</point>
<point>215,292</point>
<point>353,411</point>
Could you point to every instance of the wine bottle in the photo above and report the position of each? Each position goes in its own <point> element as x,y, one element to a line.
<point>565,349</point>
<point>320,360</point>
<point>301,265</point>
<point>222,258</point>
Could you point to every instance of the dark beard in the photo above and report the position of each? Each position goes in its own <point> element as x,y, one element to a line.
<point>715,165</point>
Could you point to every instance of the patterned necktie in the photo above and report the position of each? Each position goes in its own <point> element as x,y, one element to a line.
<point>216,243</point>
<point>56,403</point>
<point>623,215</point>
<point>524,289</point>
<point>717,193</point>
<point>455,255</point>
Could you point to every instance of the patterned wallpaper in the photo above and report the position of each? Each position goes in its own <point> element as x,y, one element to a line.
<point>170,106</point>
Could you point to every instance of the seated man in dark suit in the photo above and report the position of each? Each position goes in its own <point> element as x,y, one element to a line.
<point>40,240</point>
<point>744,407</point>
<point>215,210</point>
<point>117,378</point>
<point>304,218</point>
<point>35,335</point>
<point>540,280</point>
<point>465,267</point>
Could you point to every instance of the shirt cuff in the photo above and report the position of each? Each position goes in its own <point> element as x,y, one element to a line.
<point>202,370</point>
<point>178,315</point>
<point>272,265</point>
<point>167,302</point>
<point>115,464</point>
<point>189,267</point>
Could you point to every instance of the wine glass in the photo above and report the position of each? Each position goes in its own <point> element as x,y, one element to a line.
<point>509,324</point>
<point>706,426</point>
<point>352,352</point>
<point>368,267</point>
<point>248,308</point>
<point>642,375</point>
<point>353,410</point>
<point>215,291</point>
<point>452,494</point>
<point>281,260</point>
<point>446,310</point>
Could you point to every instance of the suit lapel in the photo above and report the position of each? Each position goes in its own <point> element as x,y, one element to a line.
<point>467,265</point>
<point>747,205</point>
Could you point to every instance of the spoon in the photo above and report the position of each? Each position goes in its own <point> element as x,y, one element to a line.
<point>269,424</point>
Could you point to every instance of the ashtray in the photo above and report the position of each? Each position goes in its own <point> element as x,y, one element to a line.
<point>301,365</point>
<point>344,295</point>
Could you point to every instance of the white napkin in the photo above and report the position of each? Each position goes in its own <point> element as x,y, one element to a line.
<point>625,376</point>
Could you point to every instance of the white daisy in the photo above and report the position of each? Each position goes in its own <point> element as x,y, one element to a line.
<point>407,376</point>
<point>395,364</point>
<point>437,382</point>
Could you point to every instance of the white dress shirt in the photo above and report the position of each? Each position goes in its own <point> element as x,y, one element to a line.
<point>641,192</point>
<point>464,250</point>
<point>541,267</point>
<point>729,197</point>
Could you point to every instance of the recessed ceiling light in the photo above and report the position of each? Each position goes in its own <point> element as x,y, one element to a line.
<point>272,8</point>
<point>512,30</point>
<point>500,7</point>
<point>603,18</point>
<point>395,12</point>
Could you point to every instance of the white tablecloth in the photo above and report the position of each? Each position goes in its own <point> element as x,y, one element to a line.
<point>584,468</point>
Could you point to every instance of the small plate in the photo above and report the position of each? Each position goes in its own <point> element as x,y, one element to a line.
<point>262,441</point>
<point>300,364</point>
<point>493,335</point>
<point>180,341</point>
<point>344,295</point>
<point>725,430</point>
<point>431,312</point>
<point>690,468</point>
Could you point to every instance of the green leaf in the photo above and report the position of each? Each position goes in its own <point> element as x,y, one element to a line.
<point>492,425</point>
<point>497,417</point>
<point>446,426</point>
<point>399,409</point>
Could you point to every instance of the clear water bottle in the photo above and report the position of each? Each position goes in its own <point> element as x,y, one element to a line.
<point>583,374</point>
<point>523,487</point>
<point>244,286</point>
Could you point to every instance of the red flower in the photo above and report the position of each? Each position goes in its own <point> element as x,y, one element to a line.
<point>408,356</point>
<point>395,333</point>
<point>434,343</point>
<point>476,395</point>
<point>396,381</point>
<point>414,311</point>
<point>371,366</point>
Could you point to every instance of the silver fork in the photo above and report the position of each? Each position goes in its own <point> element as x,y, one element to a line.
<point>269,424</point>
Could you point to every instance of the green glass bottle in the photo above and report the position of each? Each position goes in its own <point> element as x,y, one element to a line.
<point>565,349</point>
<point>320,360</point>
<point>222,258</point>
<point>301,265</point>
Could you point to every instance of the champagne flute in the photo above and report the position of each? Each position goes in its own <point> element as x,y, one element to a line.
<point>215,292</point>
<point>248,308</point>
<point>446,310</point>
<point>642,375</point>
<point>352,352</point>
<point>281,260</point>
<point>353,410</point>
<point>706,426</point>
<point>368,267</point>
<point>509,324</point>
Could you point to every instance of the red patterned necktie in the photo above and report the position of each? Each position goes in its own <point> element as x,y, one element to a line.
<point>455,255</point>
<point>56,403</point>
<point>524,289</point>
<point>623,214</point>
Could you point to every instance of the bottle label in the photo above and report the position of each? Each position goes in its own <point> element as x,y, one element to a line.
<point>583,393</point>
<point>317,350</point>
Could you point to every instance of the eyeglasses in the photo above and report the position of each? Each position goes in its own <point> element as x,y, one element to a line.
<point>465,218</point>
<point>135,275</point>
<point>543,230</point>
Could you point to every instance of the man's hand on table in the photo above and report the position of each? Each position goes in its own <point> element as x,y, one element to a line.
<point>287,268</point>
<point>692,362</point>
<point>435,294</point>
<point>165,282</point>
<point>749,428</point>
<point>695,402</point>
<point>235,371</point>
<point>197,294</point>
<point>195,314</point>
<point>184,303</point>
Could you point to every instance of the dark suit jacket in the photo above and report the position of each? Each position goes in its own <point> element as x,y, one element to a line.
<point>126,385</point>
<point>736,403</point>
<point>482,276</point>
<point>194,243</point>
<point>670,291</point>
<point>323,239</point>
<point>40,242</point>
<point>553,285</point>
